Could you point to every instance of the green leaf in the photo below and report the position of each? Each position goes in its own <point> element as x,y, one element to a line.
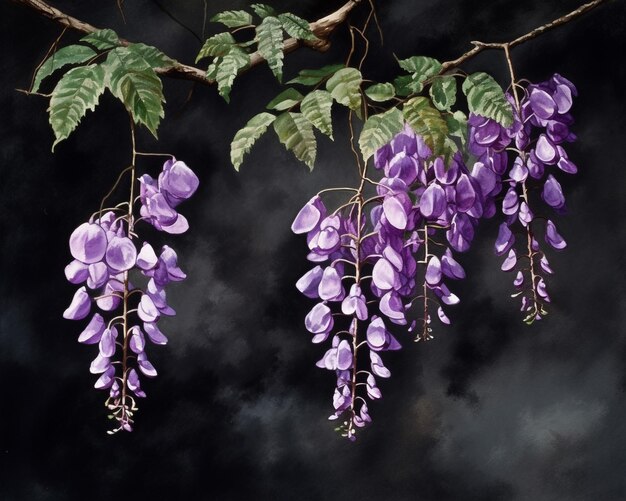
<point>296,27</point>
<point>421,69</point>
<point>102,39</point>
<point>247,136</point>
<point>457,126</point>
<point>406,85</point>
<point>380,92</point>
<point>218,46</point>
<point>296,133</point>
<point>443,92</point>
<point>233,18</point>
<point>421,66</point>
<point>72,54</point>
<point>286,99</point>
<point>263,10</point>
<point>227,70</point>
<point>78,91</point>
<point>316,108</point>
<point>344,86</point>
<point>486,98</point>
<point>131,79</point>
<point>378,130</point>
<point>313,77</point>
<point>269,35</point>
<point>153,56</point>
<point>427,122</point>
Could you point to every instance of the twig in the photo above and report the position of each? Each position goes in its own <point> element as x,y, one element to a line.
<point>322,29</point>
<point>480,46</point>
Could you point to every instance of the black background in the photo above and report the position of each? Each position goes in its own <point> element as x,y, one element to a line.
<point>491,409</point>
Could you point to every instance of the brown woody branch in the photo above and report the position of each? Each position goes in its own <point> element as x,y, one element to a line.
<point>480,46</point>
<point>322,28</point>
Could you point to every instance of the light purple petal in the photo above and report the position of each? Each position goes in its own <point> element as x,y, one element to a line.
<point>147,310</point>
<point>121,254</point>
<point>384,276</point>
<point>76,272</point>
<point>442,316</point>
<point>450,267</point>
<point>553,237</point>
<point>106,380</point>
<point>505,239</point>
<point>433,271</point>
<point>310,281</point>
<point>433,201</point>
<point>107,342</point>
<point>319,320</point>
<point>309,216</point>
<point>147,258</point>
<point>344,355</point>
<point>80,305</point>
<point>552,193</point>
<point>154,334</point>
<point>88,243</point>
<point>330,288</point>
<point>93,331</point>
<point>510,261</point>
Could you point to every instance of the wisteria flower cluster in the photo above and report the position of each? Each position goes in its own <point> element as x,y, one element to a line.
<point>542,122</point>
<point>418,199</point>
<point>378,258</point>
<point>105,258</point>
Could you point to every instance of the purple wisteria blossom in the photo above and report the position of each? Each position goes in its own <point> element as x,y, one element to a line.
<point>105,259</point>
<point>541,128</point>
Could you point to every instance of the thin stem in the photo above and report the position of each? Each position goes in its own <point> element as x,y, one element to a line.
<point>480,46</point>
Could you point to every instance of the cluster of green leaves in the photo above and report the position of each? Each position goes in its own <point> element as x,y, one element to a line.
<point>430,115</point>
<point>100,61</point>
<point>295,129</point>
<point>230,56</point>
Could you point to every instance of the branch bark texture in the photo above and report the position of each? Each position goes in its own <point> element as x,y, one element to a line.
<point>322,28</point>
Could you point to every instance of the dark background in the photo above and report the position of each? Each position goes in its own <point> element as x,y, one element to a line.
<point>490,410</point>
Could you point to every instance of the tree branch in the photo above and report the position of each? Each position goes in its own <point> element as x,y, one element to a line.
<point>322,28</point>
<point>480,46</point>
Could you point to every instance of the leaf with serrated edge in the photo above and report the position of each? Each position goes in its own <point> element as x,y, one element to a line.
<point>486,98</point>
<point>378,130</point>
<point>381,92</point>
<point>457,126</point>
<point>78,91</point>
<point>296,133</point>
<point>72,54</point>
<point>102,39</point>
<point>218,46</point>
<point>316,108</point>
<point>269,35</point>
<point>422,66</point>
<point>131,79</point>
<point>246,137</point>
<point>443,92</point>
<point>286,99</point>
<point>153,56</point>
<point>313,77</point>
<point>344,86</point>
<point>263,10</point>
<point>233,18</point>
<point>296,27</point>
<point>227,70</point>
<point>427,121</point>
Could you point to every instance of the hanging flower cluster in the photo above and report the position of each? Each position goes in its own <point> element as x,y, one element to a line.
<point>368,252</point>
<point>105,257</point>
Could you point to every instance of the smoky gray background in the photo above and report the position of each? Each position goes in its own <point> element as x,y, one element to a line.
<point>489,410</point>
